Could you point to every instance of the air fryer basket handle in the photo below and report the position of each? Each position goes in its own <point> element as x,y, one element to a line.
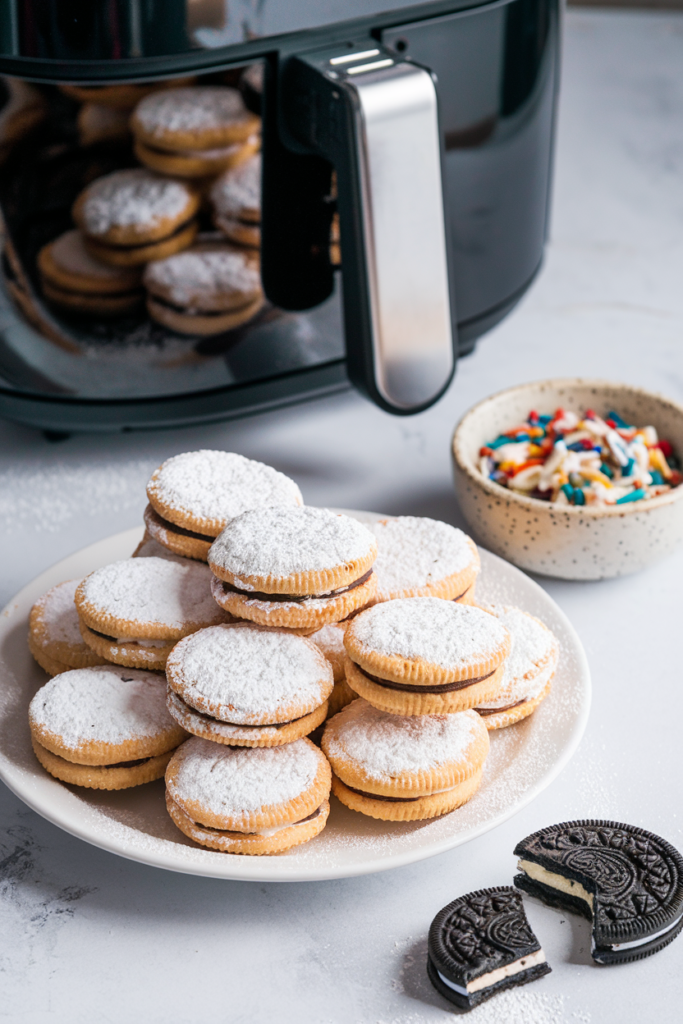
<point>376,121</point>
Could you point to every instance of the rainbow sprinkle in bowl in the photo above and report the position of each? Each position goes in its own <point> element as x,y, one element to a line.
<point>569,537</point>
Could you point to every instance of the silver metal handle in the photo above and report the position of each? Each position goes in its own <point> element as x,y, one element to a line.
<point>405,235</point>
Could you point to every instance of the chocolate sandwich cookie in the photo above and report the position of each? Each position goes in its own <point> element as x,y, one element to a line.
<point>236,201</point>
<point>404,768</point>
<point>248,687</point>
<point>151,548</point>
<point>481,944</point>
<point>628,881</point>
<point>131,217</point>
<point>293,568</point>
<point>72,278</point>
<point>419,557</point>
<point>425,656</point>
<point>330,640</point>
<point>195,132</point>
<point>209,289</point>
<point>104,727</point>
<point>54,637</point>
<point>529,669</point>
<point>119,97</point>
<point>253,800</point>
<point>133,612</point>
<point>193,496</point>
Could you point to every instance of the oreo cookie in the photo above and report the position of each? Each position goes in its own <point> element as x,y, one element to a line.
<point>627,881</point>
<point>480,944</point>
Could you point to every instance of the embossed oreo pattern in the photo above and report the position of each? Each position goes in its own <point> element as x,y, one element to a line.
<point>637,877</point>
<point>480,932</point>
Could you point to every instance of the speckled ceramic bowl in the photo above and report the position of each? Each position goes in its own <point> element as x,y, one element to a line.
<point>572,542</point>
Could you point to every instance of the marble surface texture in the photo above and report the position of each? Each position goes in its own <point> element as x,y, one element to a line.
<point>87,937</point>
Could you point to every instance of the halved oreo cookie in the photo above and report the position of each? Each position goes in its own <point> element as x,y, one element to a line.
<point>629,882</point>
<point>481,944</point>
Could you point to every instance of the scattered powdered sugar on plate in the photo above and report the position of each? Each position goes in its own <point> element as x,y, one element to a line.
<point>233,780</point>
<point>59,616</point>
<point>153,591</point>
<point>385,745</point>
<point>239,188</point>
<point>428,628</point>
<point>135,198</point>
<point>414,551</point>
<point>215,485</point>
<point>106,704</point>
<point>192,277</point>
<point>191,109</point>
<point>284,541</point>
<point>250,672</point>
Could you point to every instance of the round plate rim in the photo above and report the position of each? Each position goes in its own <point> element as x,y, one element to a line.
<point>258,869</point>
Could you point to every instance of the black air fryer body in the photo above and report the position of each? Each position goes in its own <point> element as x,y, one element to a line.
<point>493,71</point>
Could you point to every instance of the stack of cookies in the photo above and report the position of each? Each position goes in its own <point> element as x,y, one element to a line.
<point>73,278</point>
<point>303,622</point>
<point>195,132</point>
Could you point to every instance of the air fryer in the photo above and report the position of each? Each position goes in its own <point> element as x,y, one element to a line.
<point>423,135</point>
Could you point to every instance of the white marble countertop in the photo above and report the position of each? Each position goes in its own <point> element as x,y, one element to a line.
<point>88,937</point>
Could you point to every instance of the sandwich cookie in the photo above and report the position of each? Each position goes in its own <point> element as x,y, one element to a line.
<point>253,800</point>
<point>193,496</point>
<point>118,97</point>
<point>628,881</point>
<point>425,656</point>
<point>54,637</point>
<point>150,548</point>
<point>131,217</point>
<point>133,612</point>
<point>418,557</point>
<point>248,687</point>
<point>209,289</point>
<point>528,672</point>
<point>293,568</point>
<point>72,278</point>
<point>330,640</point>
<point>481,944</point>
<point>404,769</point>
<point>194,132</point>
<point>104,727</point>
<point>236,201</point>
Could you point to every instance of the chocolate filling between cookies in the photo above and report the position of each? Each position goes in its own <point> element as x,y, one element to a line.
<point>143,245</point>
<point>212,720</point>
<point>265,832</point>
<point>396,799</point>
<point>484,712</point>
<point>174,528</point>
<point>258,595</point>
<point>458,684</point>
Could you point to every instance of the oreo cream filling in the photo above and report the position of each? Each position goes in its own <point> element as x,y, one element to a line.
<point>499,974</point>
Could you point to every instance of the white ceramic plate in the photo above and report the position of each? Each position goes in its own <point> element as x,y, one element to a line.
<point>133,823</point>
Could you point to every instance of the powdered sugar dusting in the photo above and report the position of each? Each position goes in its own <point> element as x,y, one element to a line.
<point>217,486</point>
<point>330,640</point>
<point>153,591</point>
<point>384,746</point>
<point>238,188</point>
<point>136,198</point>
<point>413,552</point>
<point>232,781</point>
<point>107,704</point>
<point>59,616</point>
<point>191,277</point>
<point>191,109</point>
<point>284,541</point>
<point>151,548</point>
<point>429,629</point>
<point>532,645</point>
<point>250,673</point>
